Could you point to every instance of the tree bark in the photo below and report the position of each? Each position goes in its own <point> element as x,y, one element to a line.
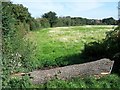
<point>99,67</point>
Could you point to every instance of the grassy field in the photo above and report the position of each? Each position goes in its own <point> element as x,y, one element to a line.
<point>62,46</point>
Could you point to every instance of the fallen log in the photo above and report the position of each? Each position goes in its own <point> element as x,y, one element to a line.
<point>99,67</point>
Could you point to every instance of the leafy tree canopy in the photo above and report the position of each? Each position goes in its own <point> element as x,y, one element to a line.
<point>51,16</point>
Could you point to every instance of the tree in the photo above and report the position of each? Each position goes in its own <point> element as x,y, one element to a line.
<point>52,18</point>
<point>21,13</point>
<point>44,23</point>
<point>109,21</point>
<point>59,22</point>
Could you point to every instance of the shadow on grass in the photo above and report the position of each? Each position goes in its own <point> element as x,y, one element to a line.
<point>94,51</point>
<point>107,48</point>
<point>70,60</point>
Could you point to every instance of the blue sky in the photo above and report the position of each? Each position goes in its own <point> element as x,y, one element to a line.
<point>96,9</point>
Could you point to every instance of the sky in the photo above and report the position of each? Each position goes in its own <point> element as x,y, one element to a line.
<point>92,9</point>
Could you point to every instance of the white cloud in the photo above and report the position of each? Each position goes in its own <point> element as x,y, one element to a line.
<point>62,7</point>
<point>38,8</point>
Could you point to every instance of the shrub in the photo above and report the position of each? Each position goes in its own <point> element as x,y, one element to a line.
<point>108,48</point>
<point>18,53</point>
<point>94,51</point>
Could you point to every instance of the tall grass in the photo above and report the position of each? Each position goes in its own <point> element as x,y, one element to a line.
<point>62,46</point>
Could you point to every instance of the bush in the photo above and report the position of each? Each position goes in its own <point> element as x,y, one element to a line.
<point>94,51</point>
<point>108,48</point>
<point>18,53</point>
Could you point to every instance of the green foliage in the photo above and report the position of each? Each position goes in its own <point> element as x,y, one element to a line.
<point>20,13</point>
<point>8,31</point>
<point>18,53</point>
<point>44,23</point>
<point>51,17</point>
<point>59,23</point>
<point>94,51</point>
<point>19,83</point>
<point>77,21</point>
<point>108,48</point>
<point>33,24</point>
<point>109,21</point>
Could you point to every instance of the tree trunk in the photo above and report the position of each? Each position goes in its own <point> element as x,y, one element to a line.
<point>51,24</point>
<point>99,67</point>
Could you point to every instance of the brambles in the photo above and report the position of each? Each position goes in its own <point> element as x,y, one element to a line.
<point>18,52</point>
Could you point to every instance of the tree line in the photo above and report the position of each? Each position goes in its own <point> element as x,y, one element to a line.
<point>51,19</point>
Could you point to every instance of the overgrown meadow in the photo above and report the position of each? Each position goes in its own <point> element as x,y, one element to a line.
<point>29,44</point>
<point>62,46</point>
